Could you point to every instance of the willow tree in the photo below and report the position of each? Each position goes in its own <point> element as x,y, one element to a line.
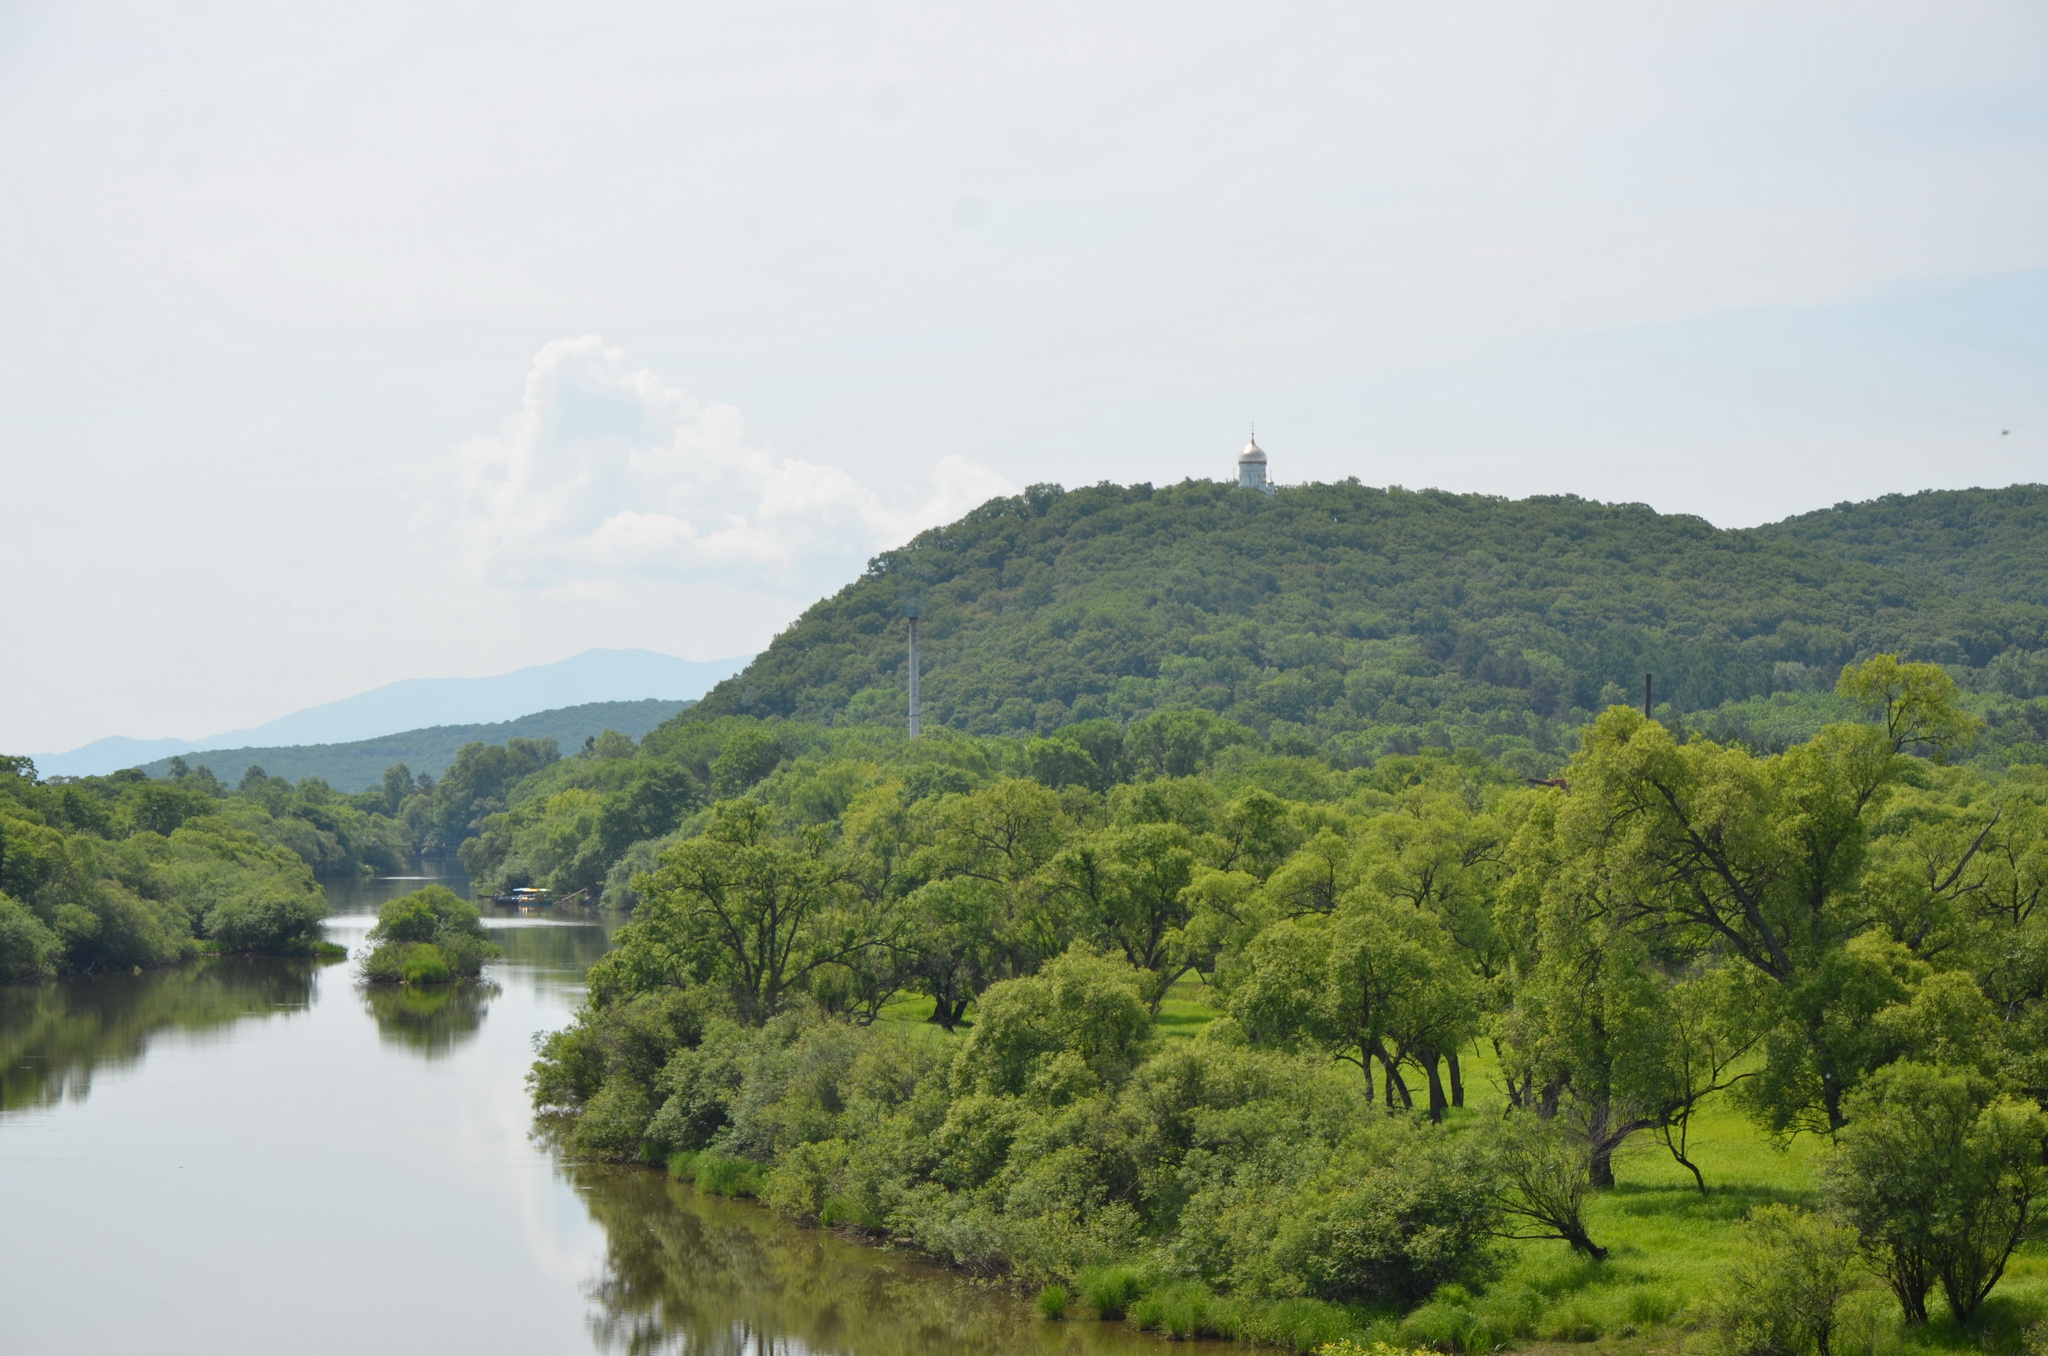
<point>1704,849</point>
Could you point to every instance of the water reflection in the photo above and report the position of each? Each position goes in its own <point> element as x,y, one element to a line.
<point>432,1019</point>
<point>689,1273</point>
<point>55,1037</point>
<point>555,951</point>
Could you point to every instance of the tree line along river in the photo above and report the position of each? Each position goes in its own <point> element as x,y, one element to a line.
<point>259,1155</point>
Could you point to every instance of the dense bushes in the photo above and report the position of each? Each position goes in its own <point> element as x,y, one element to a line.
<point>430,936</point>
<point>28,949</point>
<point>1679,919</point>
<point>1047,1144</point>
<point>121,871</point>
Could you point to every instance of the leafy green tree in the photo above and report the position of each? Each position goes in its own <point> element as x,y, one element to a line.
<point>1914,704</point>
<point>430,936</point>
<point>1374,983</point>
<point>398,785</point>
<point>29,950</point>
<point>746,757</point>
<point>267,915</point>
<point>1082,1005</point>
<point>744,908</point>
<point>1762,859</point>
<point>477,785</point>
<point>1785,1290</point>
<point>1182,743</point>
<point>1941,1180</point>
<point>1125,887</point>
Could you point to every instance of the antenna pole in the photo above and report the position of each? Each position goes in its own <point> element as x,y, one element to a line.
<point>1646,689</point>
<point>913,678</point>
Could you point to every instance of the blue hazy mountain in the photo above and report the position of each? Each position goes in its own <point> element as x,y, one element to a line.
<point>359,764</point>
<point>420,703</point>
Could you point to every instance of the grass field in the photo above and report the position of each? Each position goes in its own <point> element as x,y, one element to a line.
<point>1670,1245</point>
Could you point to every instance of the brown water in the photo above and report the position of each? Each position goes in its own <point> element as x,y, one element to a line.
<point>258,1156</point>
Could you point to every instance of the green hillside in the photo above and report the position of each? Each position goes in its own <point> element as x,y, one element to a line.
<point>360,765</point>
<point>1359,620</point>
<point>1987,543</point>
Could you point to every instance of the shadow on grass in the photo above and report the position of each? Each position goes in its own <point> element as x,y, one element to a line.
<point>1721,1204</point>
<point>2001,1327</point>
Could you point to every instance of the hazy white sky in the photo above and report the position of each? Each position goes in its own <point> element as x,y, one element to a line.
<point>350,343</point>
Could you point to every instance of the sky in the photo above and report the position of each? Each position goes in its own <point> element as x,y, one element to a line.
<point>345,344</point>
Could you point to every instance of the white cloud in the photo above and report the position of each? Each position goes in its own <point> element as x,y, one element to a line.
<point>608,474</point>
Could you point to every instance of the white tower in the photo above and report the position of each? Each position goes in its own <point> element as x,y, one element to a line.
<point>1251,468</point>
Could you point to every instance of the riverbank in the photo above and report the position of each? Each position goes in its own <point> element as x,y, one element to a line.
<point>1670,1246</point>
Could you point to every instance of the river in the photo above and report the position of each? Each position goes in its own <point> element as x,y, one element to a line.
<point>244,1156</point>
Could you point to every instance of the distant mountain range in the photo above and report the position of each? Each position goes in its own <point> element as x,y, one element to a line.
<point>359,765</point>
<point>417,704</point>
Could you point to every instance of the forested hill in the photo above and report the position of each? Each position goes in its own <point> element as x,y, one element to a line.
<point>360,765</point>
<point>1987,543</point>
<point>1348,616</point>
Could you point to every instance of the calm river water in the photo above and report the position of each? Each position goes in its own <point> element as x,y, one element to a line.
<point>258,1156</point>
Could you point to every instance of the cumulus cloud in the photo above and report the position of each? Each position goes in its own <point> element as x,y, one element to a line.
<point>607,473</point>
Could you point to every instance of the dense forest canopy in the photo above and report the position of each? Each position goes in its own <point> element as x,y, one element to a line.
<point>1981,543</point>
<point>1354,620</point>
<point>112,872</point>
<point>1842,939</point>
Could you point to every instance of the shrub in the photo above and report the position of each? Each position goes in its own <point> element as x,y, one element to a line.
<point>1110,1291</point>
<point>722,1175</point>
<point>1941,1181</point>
<point>1788,1282</point>
<point>1398,1216</point>
<point>1179,1311</point>
<point>28,950</point>
<point>275,920</point>
<point>614,1122</point>
<point>424,964</point>
<point>430,936</point>
<point>1080,1005</point>
<point>1052,1301</point>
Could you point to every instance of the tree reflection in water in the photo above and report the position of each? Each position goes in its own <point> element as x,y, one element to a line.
<point>689,1273</point>
<point>430,1018</point>
<point>54,1037</point>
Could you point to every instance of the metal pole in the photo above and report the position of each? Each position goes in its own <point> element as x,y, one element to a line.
<point>913,678</point>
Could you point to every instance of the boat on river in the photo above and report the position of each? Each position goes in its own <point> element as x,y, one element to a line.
<point>525,897</point>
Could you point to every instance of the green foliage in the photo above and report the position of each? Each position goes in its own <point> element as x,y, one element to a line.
<point>422,963</point>
<point>1679,920</point>
<point>28,949</point>
<point>1941,1180</point>
<point>362,767</point>
<point>1354,619</point>
<point>1075,1024</point>
<point>1985,543</point>
<point>106,872</point>
<point>267,918</point>
<point>1786,1289</point>
<point>431,936</point>
<point>1109,1291</point>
